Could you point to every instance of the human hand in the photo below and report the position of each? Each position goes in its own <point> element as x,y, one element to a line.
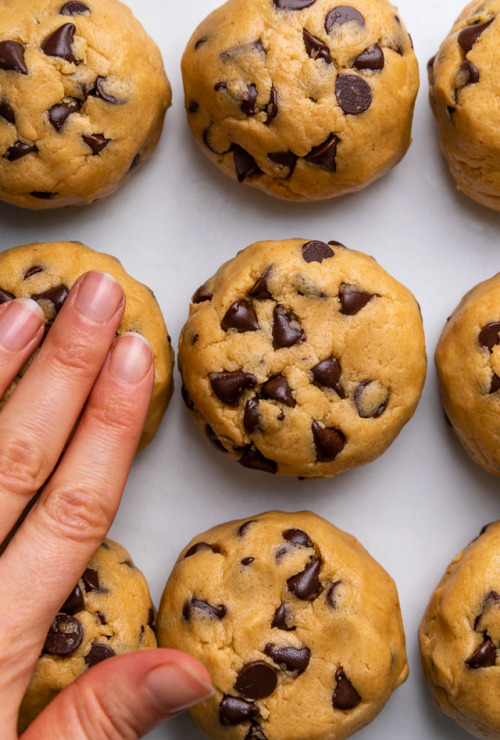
<point>78,365</point>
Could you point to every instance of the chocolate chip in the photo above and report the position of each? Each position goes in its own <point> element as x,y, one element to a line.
<point>91,580</point>
<point>306,585</point>
<point>59,43</point>
<point>316,251</point>
<point>278,389</point>
<point>233,710</point>
<point>101,617</point>
<point>469,73</point>
<point>240,316</point>
<point>345,695</point>
<point>229,386</point>
<point>293,4</point>
<point>101,93</point>
<point>74,603</point>
<point>272,107</point>
<point>327,374</point>
<point>281,619</point>
<point>65,636</point>
<point>135,162</point>
<point>59,114</point>
<point>19,150</point>
<point>193,107</point>
<point>315,47</point>
<point>256,680</point>
<point>298,537</point>
<point>284,159</point>
<point>214,612</point>
<point>324,155</point>
<point>248,104</point>
<point>451,110</point>
<point>353,94</point>
<point>245,526</point>
<point>484,656</point>
<point>56,296</point>
<point>6,111</point>
<point>289,658</point>
<point>330,594</point>
<point>255,460</point>
<point>470,34</point>
<point>213,439</point>
<point>201,295</point>
<point>343,14</point>
<point>371,58</point>
<point>74,8</point>
<point>244,163</point>
<point>287,330</point>
<point>260,289</point>
<point>152,619</point>
<point>201,546</point>
<point>251,417</point>
<point>32,271</point>
<point>353,299</point>
<point>247,561</point>
<point>12,57</point>
<point>201,41</point>
<point>329,442</point>
<point>97,142</point>
<point>495,384</point>
<point>98,653</point>
<point>128,563</point>
<point>5,296</point>
<point>489,335</point>
<point>370,399</point>
<point>255,732</point>
<point>186,398</point>
<point>43,195</point>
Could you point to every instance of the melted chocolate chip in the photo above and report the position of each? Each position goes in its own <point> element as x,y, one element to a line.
<point>201,295</point>
<point>59,43</point>
<point>245,527</point>
<point>353,94</point>
<point>287,330</point>
<point>244,163</point>
<point>32,271</point>
<point>229,386</point>
<point>371,58</point>
<point>5,296</point>
<point>324,155</point>
<point>97,142</point>
<point>214,612</point>
<point>240,316</point>
<point>343,14</point>
<point>365,409</point>
<point>56,296</point>
<point>255,460</point>
<point>43,195</point>
<point>251,417</point>
<point>345,695</point>
<point>278,389</point>
<point>289,658</point>
<point>98,653</point>
<point>65,636</point>
<point>256,680</point>
<point>470,34</point>
<point>233,710</point>
<point>316,251</point>
<point>495,384</point>
<point>260,289</point>
<point>489,335</point>
<point>327,374</point>
<point>19,150</point>
<point>101,93</point>
<point>280,619</point>
<point>255,732</point>
<point>285,159</point>
<point>12,57</point>
<point>247,561</point>
<point>74,603</point>
<point>484,656</point>
<point>330,595</point>
<point>329,442</point>
<point>272,107</point>
<point>353,299</point>
<point>91,580</point>
<point>298,537</point>
<point>306,585</point>
<point>74,8</point>
<point>248,105</point>
<point>316,48</point>
<point>469,73</point>
<point>6,111</point>
<point>201,546</point>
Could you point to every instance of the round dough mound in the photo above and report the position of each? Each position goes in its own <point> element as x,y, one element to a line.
<point>47,272</point>
<point>299,627</point>
<point>460,637</point>
<point>305,99</point>
<point>468,365</point>
<point>302,358</point>
<point>464,81</point>
<point>109,612</point>
<point>83,95</point>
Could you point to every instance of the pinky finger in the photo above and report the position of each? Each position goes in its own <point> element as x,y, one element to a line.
<point>21,330</point>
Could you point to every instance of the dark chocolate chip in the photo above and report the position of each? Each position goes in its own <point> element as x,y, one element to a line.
<point>74,8</point>
<point>489,335</point>
<point>259,46</point>
<point>279,389</point>
<point>135,162</point>
<point>361,407</point>
<point>293,4</point>
<point>6,111</point>
<point>327,374</point>
<point>56,296</point>
<point>272,107</point>
<point>353,299</point>
<point>101,617</point>
<point>240,316</point>
<point>12,57</point>
<point>329,442</point>
<point>256,680</point>
<point>201,546</point>
<point>187,398</point>
<point>220,86</point>
<point>316,48</point>
<point>343,14</point>
<point>451,110</point>
<point>244,163</point>
<point>59,43</point>
<point>74,603</point>
<point>324,155</point>
<point>280,619</point>
<point>233,710</point>
<point>247,561</point>
<point>97,142</point>
<point>345,695</point>
<point>32,271</point>
<point>19,150</point>
<point>98,653</point>
<point>213,439</point>
<point>101,93</point>
<point>193,107</point>
<point>245,527</point>
<point>43,195</point>
<point>298,537</point>
<point>91,580</point>
<point>229,386</point>
<point>251,417</point>
<point>316,251</point>
<point>469,73</point>
<point>214,612</point>
<point>289,658</point>
<point>353,94</point>
<point>287,330</point>
<point>65,636</point>
<point>495,384</point>
<point>5,296</point>
<point>330,595</point>
<point>306,585</point>
<point>484,656</point>
<point>128,563</point>
<point>59,114</point>
<point>260,289</point>
<point>201,295</point>
<point>470,34</point>
<point>285,159</point>
<point>248,104</point>
<point>371,58</point>
<point>152,619</point>
<point>255,460</point>
<point>255,732</point>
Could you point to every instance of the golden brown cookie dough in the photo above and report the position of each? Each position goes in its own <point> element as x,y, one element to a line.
<point>83,95</point>
<point>468,365</point>
<point>460,637</point>
<point>109,612</point>
<point>305,99</point>
<point>464,81</point>
<point>302,358</point>
<point>47,272</point>
<point>299,627</point>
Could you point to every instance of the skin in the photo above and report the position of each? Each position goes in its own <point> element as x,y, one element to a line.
<point>79,364</point>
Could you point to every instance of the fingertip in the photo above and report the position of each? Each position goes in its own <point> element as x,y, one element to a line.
<point>20,322</point>
<point>176,686</point>
<point>131,358</point>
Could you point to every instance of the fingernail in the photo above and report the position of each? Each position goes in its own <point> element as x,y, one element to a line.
<point>99,296</point>
<point>174,688</point>
<point>19,323</point>
<point>131,358</point>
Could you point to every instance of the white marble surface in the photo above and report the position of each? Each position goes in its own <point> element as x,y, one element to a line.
<point>174,223</point>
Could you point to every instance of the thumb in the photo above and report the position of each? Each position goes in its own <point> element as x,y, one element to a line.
<point>123,698</point>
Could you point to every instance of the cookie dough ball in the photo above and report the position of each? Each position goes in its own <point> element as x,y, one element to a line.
<point>302,358</point>
<point>305,99</point>
<point>109,612</point>
<point>464,81</point>
<point>47,272</point>
<point>286,611</point>
<point>460,637</point>
<point>468,365</point>
<point>83,95</point>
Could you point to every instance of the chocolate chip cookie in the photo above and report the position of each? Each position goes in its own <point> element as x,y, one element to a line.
<point>83,95</point>
<point>460,637</point>
<point>302,358</point>
<point>464,96</point>
<point>47,272</point>
<point>305,99</point>
<point>299,627</point>
<point>109,612</point>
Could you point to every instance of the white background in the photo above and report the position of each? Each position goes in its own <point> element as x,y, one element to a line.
<point>172,226</point>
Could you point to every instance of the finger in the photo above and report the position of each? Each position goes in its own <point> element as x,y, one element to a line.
<point>38,418</point>
<point>153,686</point>
<point>21,329</point>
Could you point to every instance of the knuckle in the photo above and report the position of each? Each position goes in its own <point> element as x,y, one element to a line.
<point>78,513</point>
<point>21,465</point>
<point>113,418</point>
<point>74,357</point>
